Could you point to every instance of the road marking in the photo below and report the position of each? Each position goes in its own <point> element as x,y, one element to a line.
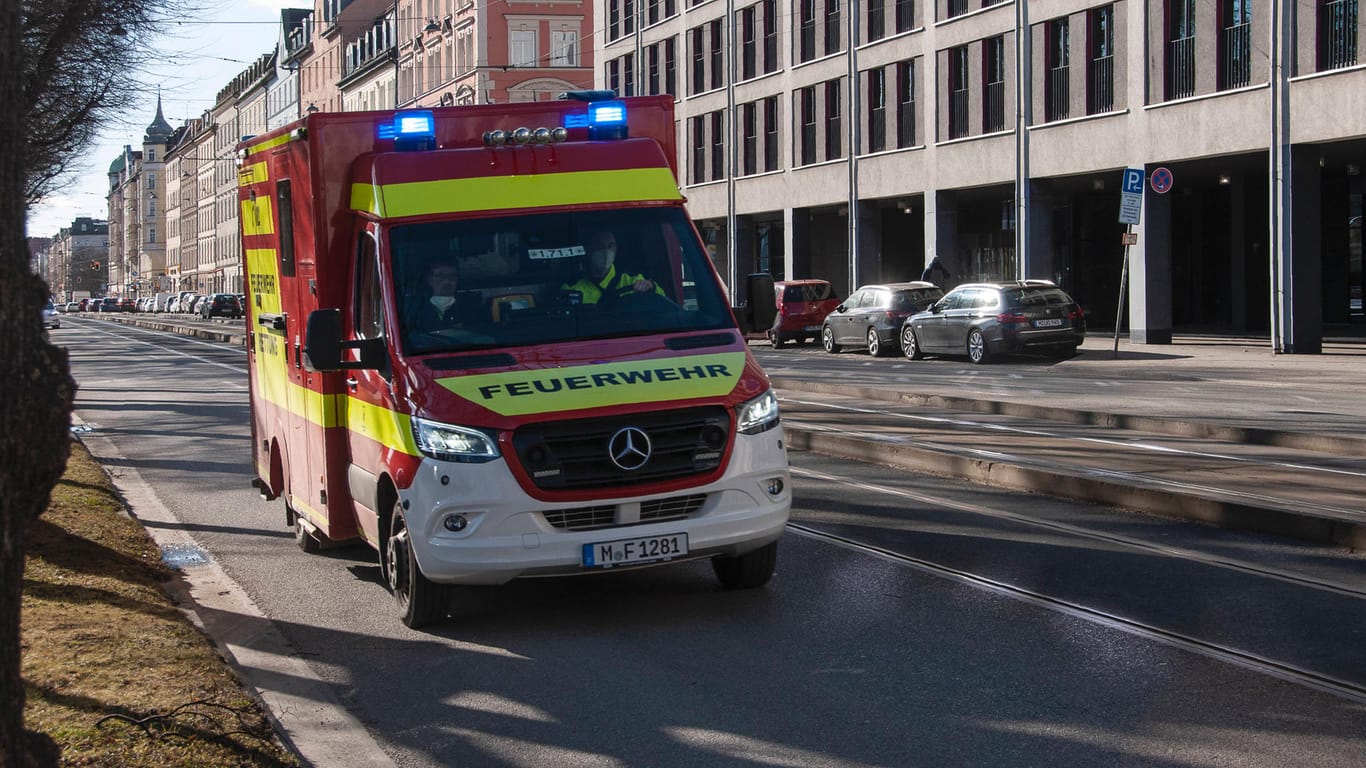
<point>217,346</point>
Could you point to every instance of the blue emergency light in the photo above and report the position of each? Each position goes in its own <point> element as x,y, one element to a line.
<point>411,131</point>
<point>607,120</point>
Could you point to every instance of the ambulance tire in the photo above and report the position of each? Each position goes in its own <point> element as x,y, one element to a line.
<point>306,541</point>
<point>747,571</point>
<point>420,602</point>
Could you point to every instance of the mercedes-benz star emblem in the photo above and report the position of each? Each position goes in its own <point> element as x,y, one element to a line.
<point>629,448</point>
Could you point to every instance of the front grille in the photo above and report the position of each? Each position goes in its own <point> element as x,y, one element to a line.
<point>574,455</point>
<point>605,515</point>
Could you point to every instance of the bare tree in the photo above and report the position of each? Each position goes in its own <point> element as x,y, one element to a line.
<point>65,69</point>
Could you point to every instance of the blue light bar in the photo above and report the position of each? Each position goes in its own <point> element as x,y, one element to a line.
<point>412,130</point>
<point>607,120</point>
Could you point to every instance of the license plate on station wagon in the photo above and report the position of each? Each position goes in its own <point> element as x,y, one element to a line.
<point>643,549</point>
<point>1048,322</point>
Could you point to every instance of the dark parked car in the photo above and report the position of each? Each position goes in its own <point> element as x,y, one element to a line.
<point>981,320</point>
<point>872,315</point>
<point>219,305</point>
<point>802,305</point>
<point>108,304</point>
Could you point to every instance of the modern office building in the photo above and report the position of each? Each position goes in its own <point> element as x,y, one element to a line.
<point>855,140</point>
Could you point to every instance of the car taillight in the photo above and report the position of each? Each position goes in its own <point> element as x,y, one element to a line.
<point>1011,317</point>
<point>1075,314</point>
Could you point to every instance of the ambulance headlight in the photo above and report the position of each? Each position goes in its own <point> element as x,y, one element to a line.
<point>447,442</point>
<point>757,415</point>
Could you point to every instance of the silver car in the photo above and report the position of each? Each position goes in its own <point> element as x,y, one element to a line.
<point>50,317</point>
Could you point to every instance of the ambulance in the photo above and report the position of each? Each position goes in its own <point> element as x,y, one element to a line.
<point>569,418</point>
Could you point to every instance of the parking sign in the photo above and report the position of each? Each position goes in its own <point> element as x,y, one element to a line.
<point>1133,181</point>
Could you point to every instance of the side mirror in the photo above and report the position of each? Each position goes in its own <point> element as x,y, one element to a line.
<point>757,314</point>
<point>936,307</point>
<point>841,308</point>
<point>323,345</point>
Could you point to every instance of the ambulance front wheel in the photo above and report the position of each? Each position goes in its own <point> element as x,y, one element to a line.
<point>747,571</point>
<point>308,541</point>
<point>420,602</point>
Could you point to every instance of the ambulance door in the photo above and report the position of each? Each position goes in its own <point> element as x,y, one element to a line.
<point>302,404</point>
<point>373,422</point>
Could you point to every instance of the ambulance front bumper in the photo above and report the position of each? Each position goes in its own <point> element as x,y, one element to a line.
<point>504,534</point>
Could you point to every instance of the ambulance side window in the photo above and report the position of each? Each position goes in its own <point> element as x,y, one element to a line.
<point>369,314</point>
<point>284,201</point>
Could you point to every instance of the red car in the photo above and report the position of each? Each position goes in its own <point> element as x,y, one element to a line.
<point>802,305</point>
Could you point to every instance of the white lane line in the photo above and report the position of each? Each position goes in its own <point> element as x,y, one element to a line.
<point>234,368</point>
<point>956,422</point>
<point>1087,533</point>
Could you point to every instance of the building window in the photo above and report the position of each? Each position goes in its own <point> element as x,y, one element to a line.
<point>652,70</point>
<point>628,17</point>
<point>718,70</point>
<point>699,62</point>
<point>522,47</point>
<point>1180,49</point>
<point>1337,34</point>
<point>749,147</point>
<point>628,74</point>
<point>1235,44</point>
<point>808,147</point>
<point>957,8</point>
<point>564,50</point>
<point>1100,75</point>
<point>958,92</point>
<point>905,104</point>
<point>877,110</point>
<point>833,40</point>
<point>770,36</point>
<point>151,180</point>
<point>748,54</point>
<point>699,150</point>
<point>876,20</point>
<point>613,75</point>
<point>905,15</point>
<point>670,78</point>
<point>652,11</point>
<point>1056,95</point>
<point>994,84</point>
<point>151,233</point>
<point>718,150</point>
<point>771,133</point>
<point>670,8</point>
<point>807,35</point>
<point>834,148</point>
<point>613,19</point>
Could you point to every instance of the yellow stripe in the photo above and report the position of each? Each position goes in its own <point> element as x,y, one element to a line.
<point>283,138</point>
<point>519,393</point>
<point>258,217</point>
<point>487,193</point>
<point>254,173</point>
<point>386,427</point>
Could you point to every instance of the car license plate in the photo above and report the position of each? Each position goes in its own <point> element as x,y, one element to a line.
<point>644,549</point>
<point>812,328</point>
<point>1049,322</point>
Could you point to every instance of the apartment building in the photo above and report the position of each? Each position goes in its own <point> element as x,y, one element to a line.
<point>74,261</point>
<point>137,190</point>
<point>855,140</point>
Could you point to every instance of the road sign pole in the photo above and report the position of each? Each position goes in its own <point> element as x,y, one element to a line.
<point>1123,279</point>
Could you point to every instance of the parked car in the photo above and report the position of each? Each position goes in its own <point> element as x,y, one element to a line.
<point>982,320</point>
<point>50,317</point>
<point>73,306</point>
<point>220,305</point>
<point>84,305</point>
<point>872,315</point>
<point>802,305</point>
<point>108,304</point>
<point>129,304</point>
<point>195,300</point>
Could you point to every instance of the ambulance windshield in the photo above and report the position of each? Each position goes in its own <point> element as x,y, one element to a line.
<point>546,278</point>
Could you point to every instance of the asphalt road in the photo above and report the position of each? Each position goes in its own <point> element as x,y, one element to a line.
<point>913,620</point>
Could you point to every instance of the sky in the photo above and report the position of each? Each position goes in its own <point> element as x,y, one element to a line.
<point>195,60</point>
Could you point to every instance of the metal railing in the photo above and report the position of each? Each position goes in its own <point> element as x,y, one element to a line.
<point>994,107</point>
<point>1337,34</point>
<point>957,7</point>
<point>1235,58</point>
<point>1100,97</point>
<point>1058,97</point>
<point>958,114</point>
<point>905,125</point>
<point>1181,68</point>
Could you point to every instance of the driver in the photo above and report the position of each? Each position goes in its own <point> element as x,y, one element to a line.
<point>602,278</point>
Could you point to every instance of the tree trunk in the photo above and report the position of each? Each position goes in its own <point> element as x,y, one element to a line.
<point>36,393</point>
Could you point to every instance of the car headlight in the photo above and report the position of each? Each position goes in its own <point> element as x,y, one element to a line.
<point>451,443</point>
<point>757,415</point>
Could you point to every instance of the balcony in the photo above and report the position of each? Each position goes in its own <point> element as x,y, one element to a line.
<point>1181,68</point>
<point>1235,56</point>
<point>1057,99</point>
<point>1100,96</point>
<point>958,114</point>
<point>1337,34</point>
<point>994,107</point>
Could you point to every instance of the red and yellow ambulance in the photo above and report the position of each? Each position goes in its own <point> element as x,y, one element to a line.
<point>448,363</point>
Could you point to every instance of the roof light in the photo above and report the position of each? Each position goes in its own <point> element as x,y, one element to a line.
<point>607,120</point>
<point>411,131</point>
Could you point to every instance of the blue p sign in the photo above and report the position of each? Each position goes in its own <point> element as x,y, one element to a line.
<point>1133,181</point>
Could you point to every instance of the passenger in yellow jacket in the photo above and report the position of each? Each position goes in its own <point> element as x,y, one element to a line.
<point>603,278</point>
